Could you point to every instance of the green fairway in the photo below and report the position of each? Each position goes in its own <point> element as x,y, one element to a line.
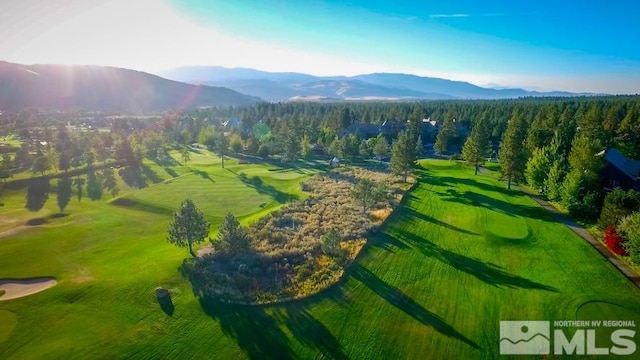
<point>458,257</point>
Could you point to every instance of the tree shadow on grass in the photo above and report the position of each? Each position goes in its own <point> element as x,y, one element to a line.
<point>489,273</point>
<point>203,174</point>
<point>133,176</point>
<point>266,189</point>
<point>140,205</point>
<point>311,332</point>
<point>500,206</point>
<point>403,302</point>
<point>256,332</point>
<point>448,180</point>
<point>259,330</point>
<point>150,174</point>
<point>388,242</point>
<point>422,217</point>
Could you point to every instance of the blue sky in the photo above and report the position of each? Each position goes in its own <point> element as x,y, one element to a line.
<point>560,45</point>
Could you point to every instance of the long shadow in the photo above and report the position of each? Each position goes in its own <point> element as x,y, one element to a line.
<point>403,302</point>
<point>257,333</point>
<point>266,189</point>
<point>205,175</point>
<point>259,330</point>
<point>312,333</point>
<point>388,242</point>
<point>489,273</point>
<point>448,180</point>
<point>503,207</point>
<point>150,174</point>
<point>422,217</point>
<point>133,176</point>
<point>166,161</point>
<point>140,205</point>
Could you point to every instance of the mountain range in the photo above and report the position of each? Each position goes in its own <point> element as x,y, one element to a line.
<point>285,86</point>
<point>90,88</point>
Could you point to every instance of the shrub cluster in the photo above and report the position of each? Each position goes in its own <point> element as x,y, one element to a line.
<point>301,248</point>
<point>614,241</point>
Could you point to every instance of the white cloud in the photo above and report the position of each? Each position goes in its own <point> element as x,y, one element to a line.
<point>436,16</point>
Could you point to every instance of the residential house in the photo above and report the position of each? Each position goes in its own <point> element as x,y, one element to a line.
<point>620,171</point>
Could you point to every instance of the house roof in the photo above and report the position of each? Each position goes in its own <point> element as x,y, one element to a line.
<point>627,166</point>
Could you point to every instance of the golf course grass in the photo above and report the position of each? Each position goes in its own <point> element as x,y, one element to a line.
<point>458,257</point>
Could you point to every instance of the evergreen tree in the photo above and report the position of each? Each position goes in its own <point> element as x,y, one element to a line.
<point>330,243</point>
<point>628,133</point>
<point>109,181</point>
<point>445,136</point>
<point>477,148</point>
<point>403,155</point>
<point>222,144</point>
<point>305,147</point>
<point>381,148</point>
<point>364,149</point>
<point>188,226</point>
<point>538,168</point>
<point>37,193</point>
<point>232,239</point>
<point>512,154</point>
<point>553,182</point>
<point>79,184</point>
<point>366,194</point>
<point>184,155</point>
<point>94,185</point>
<point>41,164</point>
<point>414,125</point>
<point>63,193</point>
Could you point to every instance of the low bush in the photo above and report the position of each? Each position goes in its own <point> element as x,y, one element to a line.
<point>614,241</point>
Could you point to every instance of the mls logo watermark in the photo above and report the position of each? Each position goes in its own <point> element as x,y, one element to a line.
<point>534,338</point>
<point>524,337</point>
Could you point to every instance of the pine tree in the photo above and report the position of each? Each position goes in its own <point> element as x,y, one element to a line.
<point>446,134</point>
<point>366,194</point>
<point>94,185</point>
<point>538,167</point>
<point>381,148</point>
<point>512,154</point>
<point>222,143</point>
<point>109,181</point>
<point>37,193</point>
<point>305,147</point>
<point>403,155</point>
<point>232,239</point>
<point>188,226</point>
<point>477,148</point>
<point>553,182</point>
<point>63,193</point>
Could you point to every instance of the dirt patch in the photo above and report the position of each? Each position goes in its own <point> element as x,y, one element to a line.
<point>14,289</point>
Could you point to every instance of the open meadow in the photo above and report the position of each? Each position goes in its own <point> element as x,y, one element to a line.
<point>461,254</point>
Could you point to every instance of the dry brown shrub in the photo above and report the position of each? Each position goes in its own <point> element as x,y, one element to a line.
<point>287,260</point>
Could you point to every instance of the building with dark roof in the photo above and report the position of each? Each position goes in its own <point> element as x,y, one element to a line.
<point>620,171</point>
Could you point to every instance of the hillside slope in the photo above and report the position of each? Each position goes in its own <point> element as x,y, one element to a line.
<point>87,87</point>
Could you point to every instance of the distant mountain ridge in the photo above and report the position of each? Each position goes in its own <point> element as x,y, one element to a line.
<point>275,86</point>
<point>90,88</point>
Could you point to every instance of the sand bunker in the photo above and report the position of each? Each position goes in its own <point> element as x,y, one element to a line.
<point>19,288</point>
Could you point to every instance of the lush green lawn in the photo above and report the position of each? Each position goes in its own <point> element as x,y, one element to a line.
<point>461,255</point>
